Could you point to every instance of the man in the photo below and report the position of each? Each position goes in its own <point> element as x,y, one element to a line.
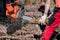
<point>53,21</point>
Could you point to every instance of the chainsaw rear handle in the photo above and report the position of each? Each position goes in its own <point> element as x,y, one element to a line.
<point>18,4</point>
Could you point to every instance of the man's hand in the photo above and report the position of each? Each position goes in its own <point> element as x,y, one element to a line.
<point>43,19</point>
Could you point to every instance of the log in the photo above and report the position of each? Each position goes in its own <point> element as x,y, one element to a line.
<point>34,14</point>
<point>29,29</point>
<point>3,30</point>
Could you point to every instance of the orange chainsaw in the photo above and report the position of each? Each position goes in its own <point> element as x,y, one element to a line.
<point>17,7</point>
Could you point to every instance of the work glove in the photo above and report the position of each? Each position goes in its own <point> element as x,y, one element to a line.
<point>43,19</point>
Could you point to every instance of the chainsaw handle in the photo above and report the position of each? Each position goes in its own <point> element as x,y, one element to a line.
<point>18,4</point>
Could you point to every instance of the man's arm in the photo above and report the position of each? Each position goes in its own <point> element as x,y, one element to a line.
<point>47,6</point>
<point>43,18</point>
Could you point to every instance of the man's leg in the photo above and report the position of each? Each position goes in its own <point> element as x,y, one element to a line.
<point>49,30</point>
